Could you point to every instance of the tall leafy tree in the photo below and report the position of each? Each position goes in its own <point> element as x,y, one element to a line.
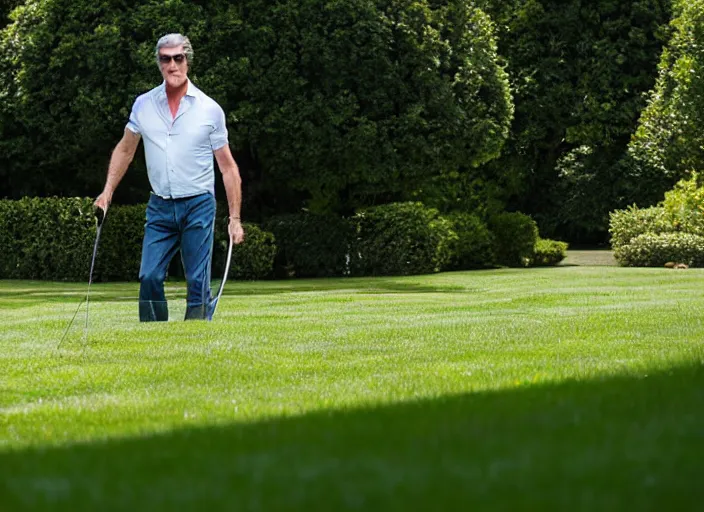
<point>357,102</point>
<point>6,6</point>
<point>332,104</point>
<point>6,124</point>
<point>579,71</point>
<point>669,142</point>
<point>69,73</point>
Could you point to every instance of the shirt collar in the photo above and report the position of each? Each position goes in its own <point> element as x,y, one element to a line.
<point>191,91</point>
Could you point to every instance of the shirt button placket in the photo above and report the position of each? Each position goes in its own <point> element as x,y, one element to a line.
<point>169,170</point>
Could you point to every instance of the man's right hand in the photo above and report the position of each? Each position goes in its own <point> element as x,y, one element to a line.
<point>103,201</point>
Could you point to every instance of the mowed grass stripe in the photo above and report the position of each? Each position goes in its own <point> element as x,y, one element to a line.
<point>573,359</point>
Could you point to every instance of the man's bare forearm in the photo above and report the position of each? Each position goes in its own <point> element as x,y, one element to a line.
<point>120,161</point>
<point>231,179</point>
<point>233,188</point>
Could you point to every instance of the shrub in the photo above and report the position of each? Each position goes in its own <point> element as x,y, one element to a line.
<point>252,259</point>
<point>684,205</point>
<point>52,238</point>
<point>400,239</point>
<point>473,246</point>
<point>46,238</point>
<point>120,251</point>
<point>311,245</point>
<point>667,232</point>
<point>515,235</point>
<point>548,252</point>
<point>625,225</point>
<point>654,250</point>
<point>682,210</point>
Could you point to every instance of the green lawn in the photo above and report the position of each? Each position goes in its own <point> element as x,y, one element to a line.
<point>568,388</point>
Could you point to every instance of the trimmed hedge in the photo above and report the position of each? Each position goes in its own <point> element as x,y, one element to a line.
<point>311,245</point>
<point>120,250</point>
<point>400,239</point>
<point>625,225</point>
<point>684,205</point>
<point>515,235</point>
<point>52,239</point>
<point>669,232</point>
<point>48,238</point>
<point>654,250</point>
<point>252,259</point>
<point>474,245</point>
<point>548,252</point>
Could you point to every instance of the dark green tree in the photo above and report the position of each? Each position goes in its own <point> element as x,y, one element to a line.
<point>578,71</point>
<point>669,141</point>
<point>351,103</point>
<point>6,6</point>
<point>332,105</point>
<point>69,72</point>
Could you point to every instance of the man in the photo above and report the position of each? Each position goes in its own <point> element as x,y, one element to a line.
<point>182,129</point>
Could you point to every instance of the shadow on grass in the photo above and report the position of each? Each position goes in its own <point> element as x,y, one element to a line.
<point>621,443</point>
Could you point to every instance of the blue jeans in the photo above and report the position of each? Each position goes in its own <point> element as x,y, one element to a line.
<point>172,224</point>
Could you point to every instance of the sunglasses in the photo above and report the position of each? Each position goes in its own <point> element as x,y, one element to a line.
<point>178,58</point>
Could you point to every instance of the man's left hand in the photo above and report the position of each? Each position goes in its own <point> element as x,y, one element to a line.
<point>236,231</point>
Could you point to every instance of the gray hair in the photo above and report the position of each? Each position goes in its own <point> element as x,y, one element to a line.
<point>173,40</point>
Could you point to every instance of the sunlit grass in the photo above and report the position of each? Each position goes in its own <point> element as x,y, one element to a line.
<point>506,370</point>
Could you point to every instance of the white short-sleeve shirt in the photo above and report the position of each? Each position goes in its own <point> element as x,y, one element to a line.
<point>179,151</point>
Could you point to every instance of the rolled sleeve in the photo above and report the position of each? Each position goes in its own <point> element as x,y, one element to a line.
<point>133,122</point>
<point>218,135</point>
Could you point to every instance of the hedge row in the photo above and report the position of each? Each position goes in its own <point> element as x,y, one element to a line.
<point>656,250</point>
<point>405,239</point>
<point>45,238</point>
<point>310,245</point>
<point>53,238</point>
<point>671,232</point>
<point>650,238</point>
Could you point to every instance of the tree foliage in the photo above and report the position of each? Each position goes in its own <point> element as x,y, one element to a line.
<point>331,105</point>
<point>669,141</point>
<point>672,231</point>
<point>358,102</point>
<point>578,73</point>
<point>339,105</point>
<point>6,7</point>
<point>70,71</point>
